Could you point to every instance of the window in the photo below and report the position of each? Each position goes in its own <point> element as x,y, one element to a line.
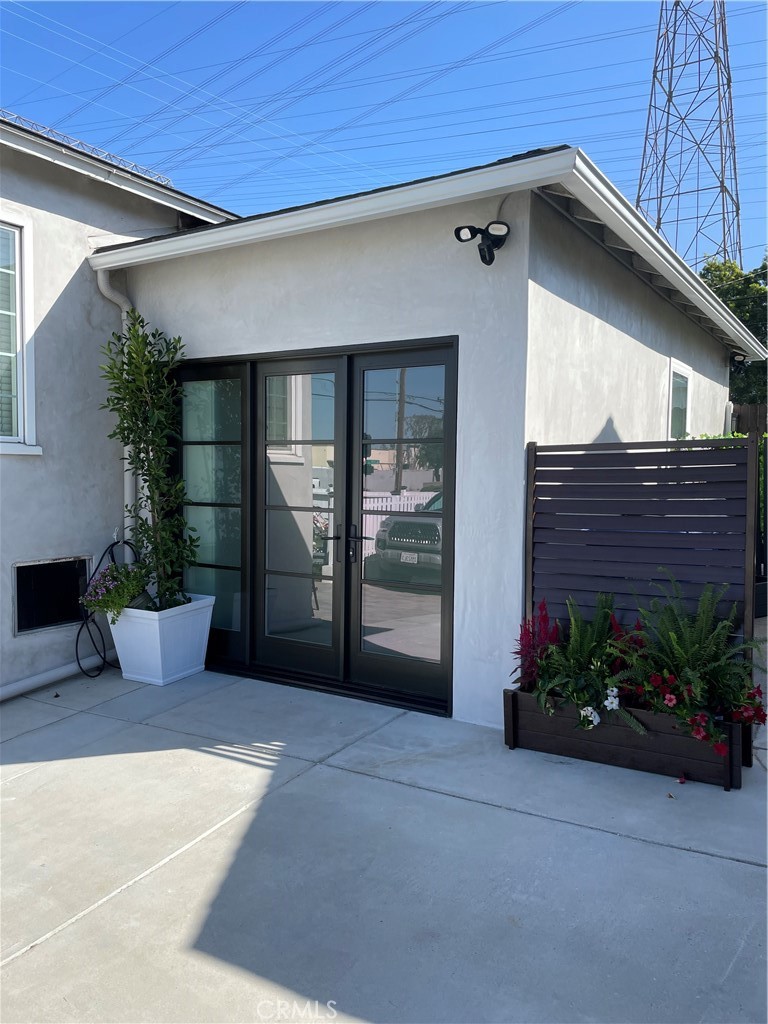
<point>17,369</point>
<point>48,593</point>
<point>679,400</point>
<point>10,355</point>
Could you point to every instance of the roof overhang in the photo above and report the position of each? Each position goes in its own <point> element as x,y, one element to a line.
<point>66,156</point>
<point>565,176</point>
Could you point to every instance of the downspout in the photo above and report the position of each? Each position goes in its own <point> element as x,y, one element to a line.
<point>125,305</point>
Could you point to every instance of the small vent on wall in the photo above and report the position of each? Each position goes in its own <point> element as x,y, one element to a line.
<point>48,593</point>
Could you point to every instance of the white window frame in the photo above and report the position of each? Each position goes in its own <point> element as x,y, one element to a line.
<point>25,441</point>
<point>683,370</point>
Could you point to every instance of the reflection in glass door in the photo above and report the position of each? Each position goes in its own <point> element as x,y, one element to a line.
<point>402,497</point>
<point>353,530</point>
<point>300,568</point>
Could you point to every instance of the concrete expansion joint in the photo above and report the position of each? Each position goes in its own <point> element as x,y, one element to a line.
<point>550,817</point>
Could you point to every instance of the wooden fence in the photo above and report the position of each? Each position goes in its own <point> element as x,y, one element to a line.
<point>747,418</point>
<point>620,518</point>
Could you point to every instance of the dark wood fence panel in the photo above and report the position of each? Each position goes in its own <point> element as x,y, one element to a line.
<point>622,518</point>
<point>747,418</point>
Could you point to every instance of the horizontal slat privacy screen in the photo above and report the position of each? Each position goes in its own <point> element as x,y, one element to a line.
<point>620,518</point>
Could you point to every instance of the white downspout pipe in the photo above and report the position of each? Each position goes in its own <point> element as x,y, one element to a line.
<point>125,304</point>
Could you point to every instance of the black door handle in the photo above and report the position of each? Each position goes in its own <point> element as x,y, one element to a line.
<point>352,540</point>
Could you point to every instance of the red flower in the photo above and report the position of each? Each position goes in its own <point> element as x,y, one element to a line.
<point>747,713</point>
<point>640,689</point>
<point>699,733</point>
<point>655,679</point>
<point>757,693</point>
<point>664,691</point>
<point>760,715</point>
<point>702,718</point>
<point>671,680</point>
<point>736,715</point>
<point>721,749</point>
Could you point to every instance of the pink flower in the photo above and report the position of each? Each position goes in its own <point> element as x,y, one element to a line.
<point>721,749</point>
<point>670,700</point>
<point>699,733</point>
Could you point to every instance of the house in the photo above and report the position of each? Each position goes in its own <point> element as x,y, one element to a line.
<point>59,475</point>
<point>359,389</point>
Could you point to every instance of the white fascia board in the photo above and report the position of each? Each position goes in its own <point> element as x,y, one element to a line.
<point>596,192</point>
<point>81,163</point>
<point>498,179</point>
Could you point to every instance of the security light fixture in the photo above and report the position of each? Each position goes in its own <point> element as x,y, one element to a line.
<point>492,237</point>
<point>739,362</point>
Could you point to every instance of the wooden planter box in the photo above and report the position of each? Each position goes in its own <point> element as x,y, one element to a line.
<point>665,749</point>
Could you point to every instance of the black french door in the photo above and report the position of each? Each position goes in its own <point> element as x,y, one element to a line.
<point>344,469</point>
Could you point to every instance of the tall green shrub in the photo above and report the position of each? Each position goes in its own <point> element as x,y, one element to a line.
<point>144,396</point>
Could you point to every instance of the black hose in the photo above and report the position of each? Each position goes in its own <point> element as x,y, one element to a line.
<point>89,622</point>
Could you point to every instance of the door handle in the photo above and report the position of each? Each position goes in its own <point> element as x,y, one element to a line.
<point>352,540</point>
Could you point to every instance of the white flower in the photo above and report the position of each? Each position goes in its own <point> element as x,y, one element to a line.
<point>612,691</point>
<point>611,702</point>
<point>591,715</point>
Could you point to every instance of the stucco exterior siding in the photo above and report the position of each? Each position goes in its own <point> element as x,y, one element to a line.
<point>396,279</point>
<point>67,501</point>
<point>600,343</point>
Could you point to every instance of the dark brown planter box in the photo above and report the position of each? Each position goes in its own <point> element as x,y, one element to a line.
<point>665,749</point>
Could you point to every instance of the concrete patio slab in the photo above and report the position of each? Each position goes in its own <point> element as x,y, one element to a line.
<point>311,725</point>
<point>148,701</point>
<point>472,762</point>
<point>23,715</point>
<point>31,750</point>
<point>399,904</point>
<point>81,693</point>
<point>111,809</point>
<point>158,874</point>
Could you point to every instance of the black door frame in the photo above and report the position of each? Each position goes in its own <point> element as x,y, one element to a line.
<point>239,655</point>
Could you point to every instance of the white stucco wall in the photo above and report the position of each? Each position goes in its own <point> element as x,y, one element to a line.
<point>600,346</point>
<point>67,501</point>
<point>398,278</point>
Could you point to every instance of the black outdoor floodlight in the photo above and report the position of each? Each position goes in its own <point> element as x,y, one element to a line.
<point>492,237</point>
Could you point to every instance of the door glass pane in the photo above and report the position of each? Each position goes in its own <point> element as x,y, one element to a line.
<point>404,402</point>
<point>299,407</point>
<point>303,478</point>
<point>406,548</point>
<point>299,541</point>
<point>401,622</point>
<point>299,608</point>
<point>225,585</point>
<point>392,470</point>
<point>211,410</point>
<point>218,531</point>
<point>212,473</point>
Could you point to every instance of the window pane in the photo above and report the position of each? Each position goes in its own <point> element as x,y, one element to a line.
<point>218,530</point>
<point>304,478</point>
<point>299,608</point>
<point>405,402</point>
<point>679,418</point>
<point>7,249</point>
<point>403,548</point>
<point>212,473</point>
<point>401,623</point>
<point>7,292</point>
<point>300,407</point>
<point>389,470</point>
<point>299,541</point>
<point>211,410</point>
<point>8,403</point>
<point>223,584</point>
<point>7,333</point>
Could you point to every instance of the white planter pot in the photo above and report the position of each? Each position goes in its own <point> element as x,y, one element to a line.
<point>161,647</point>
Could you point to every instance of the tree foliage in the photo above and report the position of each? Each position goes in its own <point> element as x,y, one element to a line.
<point>745,293</point>
<point>144,396</point>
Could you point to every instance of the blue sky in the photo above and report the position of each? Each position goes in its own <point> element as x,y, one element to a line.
<point>257,106</point>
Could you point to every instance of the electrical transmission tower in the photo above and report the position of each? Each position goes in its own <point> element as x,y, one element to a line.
<point>688,189</point>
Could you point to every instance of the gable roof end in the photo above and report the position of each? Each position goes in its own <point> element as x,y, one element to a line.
<point>564,175</point>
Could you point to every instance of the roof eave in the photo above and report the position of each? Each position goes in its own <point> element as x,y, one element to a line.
<point>63,156</point>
